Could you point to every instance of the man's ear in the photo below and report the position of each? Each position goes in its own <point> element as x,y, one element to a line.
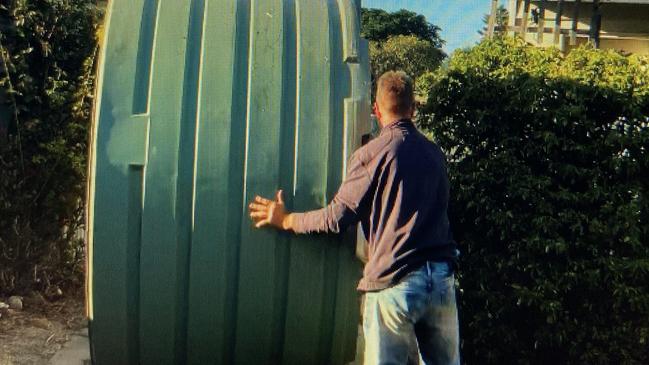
<point>377,111</point>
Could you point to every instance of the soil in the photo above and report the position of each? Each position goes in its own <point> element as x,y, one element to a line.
<point>32,336</point>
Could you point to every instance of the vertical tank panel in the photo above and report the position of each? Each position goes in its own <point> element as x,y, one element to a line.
<point>307,278</point>
<point>218,196</point>
<point>166,215</point>
<point>262,257</point>
<point>118,158</point>
<point>203,104</point>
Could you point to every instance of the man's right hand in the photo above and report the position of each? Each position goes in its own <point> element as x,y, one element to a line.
<point>270,212</point>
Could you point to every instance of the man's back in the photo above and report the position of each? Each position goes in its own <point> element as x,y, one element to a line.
<point>405,215</point>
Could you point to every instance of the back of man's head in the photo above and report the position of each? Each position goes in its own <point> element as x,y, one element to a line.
<point>395,94</point>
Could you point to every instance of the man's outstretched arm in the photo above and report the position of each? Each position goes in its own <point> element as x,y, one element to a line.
<point>343,211</point>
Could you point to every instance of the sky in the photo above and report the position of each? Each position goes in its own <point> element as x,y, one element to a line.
<point>460,20</point>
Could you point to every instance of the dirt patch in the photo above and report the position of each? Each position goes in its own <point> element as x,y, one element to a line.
<point>33,335</point>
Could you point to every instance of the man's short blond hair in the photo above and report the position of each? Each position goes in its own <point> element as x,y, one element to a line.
<point>394,92</point>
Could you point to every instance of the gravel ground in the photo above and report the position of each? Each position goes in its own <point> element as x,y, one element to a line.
<point>32,336</point>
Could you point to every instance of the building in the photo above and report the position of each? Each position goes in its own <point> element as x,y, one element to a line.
<point>622,25</point>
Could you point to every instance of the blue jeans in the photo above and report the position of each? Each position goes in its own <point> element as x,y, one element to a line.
<point>414,321</point>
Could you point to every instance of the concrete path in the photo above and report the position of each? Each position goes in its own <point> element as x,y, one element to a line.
<point>75,352</point>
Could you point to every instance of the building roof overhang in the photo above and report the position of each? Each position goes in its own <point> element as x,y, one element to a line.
<point>642,2</point>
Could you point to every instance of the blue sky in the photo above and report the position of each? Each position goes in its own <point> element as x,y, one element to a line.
<point>460,20</point>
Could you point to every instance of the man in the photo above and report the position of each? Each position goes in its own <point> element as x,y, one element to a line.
<point>397,188</point>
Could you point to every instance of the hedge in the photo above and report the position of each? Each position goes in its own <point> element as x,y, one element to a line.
<point>549,166</point>
<point>48,48</point>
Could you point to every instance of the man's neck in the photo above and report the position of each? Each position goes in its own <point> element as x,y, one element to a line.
<point>387,121</point>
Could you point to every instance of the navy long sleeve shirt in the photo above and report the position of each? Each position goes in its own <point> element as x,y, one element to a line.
<point>396,186</point>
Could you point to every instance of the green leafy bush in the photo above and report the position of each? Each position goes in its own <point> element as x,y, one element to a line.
<point>378,25</point>
<point>407,53</point>
<point>48,50</point>
<point>402,40</point>
<point>549,166</point>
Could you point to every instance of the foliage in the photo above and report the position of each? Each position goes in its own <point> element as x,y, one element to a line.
<point>502,18</point>
<point>407,53</point>
<point>548,164</point>
<point>378,25</point>
<point>424,83</point>
<point>48,50</point>
<point>402,40</point>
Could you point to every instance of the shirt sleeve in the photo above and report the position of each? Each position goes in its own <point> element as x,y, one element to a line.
<point>345,209</point>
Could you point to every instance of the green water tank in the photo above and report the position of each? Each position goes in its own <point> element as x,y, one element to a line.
<point>201,105</point>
